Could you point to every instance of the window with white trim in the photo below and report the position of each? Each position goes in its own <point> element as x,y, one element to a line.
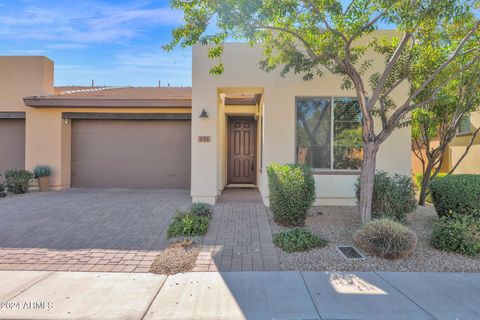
<point>329,133</point>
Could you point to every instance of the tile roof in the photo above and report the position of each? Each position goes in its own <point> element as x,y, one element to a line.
<point>112,97</point>
<point>127,93</point>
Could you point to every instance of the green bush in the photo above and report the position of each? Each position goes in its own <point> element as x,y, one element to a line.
<point>2,189</point>
<point>418,183</point>
<point>42,171</point>
<point>187,224</point>
<point>458,233</point>
<point>298,239</point>
<point>201,209</point>
<point>18,180</point>
<point>386,238</point>
<point>459,194</point>
<point>292,193</point>
<point>393,196</point>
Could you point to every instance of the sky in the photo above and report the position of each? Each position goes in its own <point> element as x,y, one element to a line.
<point>115,42</point>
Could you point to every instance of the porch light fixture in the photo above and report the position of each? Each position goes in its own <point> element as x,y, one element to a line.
<point>204,114</point>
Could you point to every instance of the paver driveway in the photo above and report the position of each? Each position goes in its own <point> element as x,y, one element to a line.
<point>86,229</point>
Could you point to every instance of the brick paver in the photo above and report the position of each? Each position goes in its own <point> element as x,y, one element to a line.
<point>86,229</point>
<point>239,237</point>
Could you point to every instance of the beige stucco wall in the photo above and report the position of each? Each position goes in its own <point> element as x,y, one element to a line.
<point>471,162</point>
<point>242,71</point>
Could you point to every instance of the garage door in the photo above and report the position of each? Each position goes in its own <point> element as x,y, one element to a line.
<point>12,144</point>
<point>131,153</point>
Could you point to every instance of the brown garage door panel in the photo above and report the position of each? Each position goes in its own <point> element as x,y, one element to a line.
<point>12,144</point>
<point>131,153</point>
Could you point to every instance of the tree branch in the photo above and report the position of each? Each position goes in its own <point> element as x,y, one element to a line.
<point>472,140</point>
<point>383,78</point>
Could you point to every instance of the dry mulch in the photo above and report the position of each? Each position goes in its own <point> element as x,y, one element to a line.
<point>178,257</point>
<point>338,224</point>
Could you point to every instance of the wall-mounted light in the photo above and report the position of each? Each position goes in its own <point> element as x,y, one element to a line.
<point>66,120</point>
<point>204,114</point>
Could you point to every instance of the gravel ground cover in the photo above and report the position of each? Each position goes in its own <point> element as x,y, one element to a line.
<point>179,256</point>
<point>338,224</point>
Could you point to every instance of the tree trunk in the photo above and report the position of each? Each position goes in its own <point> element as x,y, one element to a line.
<point>366,180</point>
<point>425,183</point>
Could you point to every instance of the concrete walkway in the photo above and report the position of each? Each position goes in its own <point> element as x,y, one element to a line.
<point>239,295</point>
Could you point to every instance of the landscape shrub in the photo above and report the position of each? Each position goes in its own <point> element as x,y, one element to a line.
<point>418,183</point>
<point>201,209</point>
<point>42,171</point>
<point>292,193</point>
<point>386,238</point>
<point>17,180</point>
<point>459,194</point>
<point>457,233</point>
<point>187,224</point>
<point>297,239</point>
<point>2,189</point>
<point>393,196</point>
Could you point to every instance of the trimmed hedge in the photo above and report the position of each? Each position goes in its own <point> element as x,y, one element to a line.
<point>459,233</point>
<point>386,239</point>
<point>18,180</point>
<point>393,196</point>
<point>456,194</point>
<point>298,239</point>
<point>292,193</point>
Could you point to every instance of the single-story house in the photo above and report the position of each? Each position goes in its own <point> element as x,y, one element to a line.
<point>224,131</point>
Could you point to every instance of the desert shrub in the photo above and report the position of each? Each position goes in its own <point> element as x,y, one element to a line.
<point>17,180</point>
<point>393,196</point>
<point>187,224</point>
<point>386,238</point>
<point>201,209</point>
<point>292,193</point>
<point>457,233</point>
<point>42,171</point>
<point>297,239</point>
<point>2,189</point>
<point>459,194</point>
<point>418,183</point>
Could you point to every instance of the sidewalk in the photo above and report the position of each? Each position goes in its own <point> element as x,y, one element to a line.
<point>239,295</point>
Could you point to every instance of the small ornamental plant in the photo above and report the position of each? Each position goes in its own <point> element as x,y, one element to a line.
<point>385,238</point>
<point>298,239</point>
<point>42,174</point>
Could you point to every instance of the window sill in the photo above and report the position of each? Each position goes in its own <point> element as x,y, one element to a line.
<point>463,134</point>
<point>336,172</point>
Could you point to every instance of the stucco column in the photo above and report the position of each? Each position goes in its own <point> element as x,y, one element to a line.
<point>47,143</point>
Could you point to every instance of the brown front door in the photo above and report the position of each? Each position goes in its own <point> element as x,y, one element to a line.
<point>242,150</point>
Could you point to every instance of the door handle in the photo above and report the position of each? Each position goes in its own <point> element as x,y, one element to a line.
<point>252,162</point>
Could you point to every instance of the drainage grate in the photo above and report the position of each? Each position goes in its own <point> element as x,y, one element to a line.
<point>350,252</point>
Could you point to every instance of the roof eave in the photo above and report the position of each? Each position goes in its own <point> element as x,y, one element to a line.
<point>37,102</point>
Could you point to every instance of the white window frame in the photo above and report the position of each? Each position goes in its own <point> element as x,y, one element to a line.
<point>332,135</point>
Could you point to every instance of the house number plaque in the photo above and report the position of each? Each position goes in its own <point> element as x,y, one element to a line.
<point>203,138</point>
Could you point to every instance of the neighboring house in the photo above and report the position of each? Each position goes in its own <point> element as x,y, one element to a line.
<point>224,131</point>
<point>456,149</point>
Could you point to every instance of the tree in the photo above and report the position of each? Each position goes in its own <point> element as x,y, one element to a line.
<point>435,124</point>
<point>317,36</point>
